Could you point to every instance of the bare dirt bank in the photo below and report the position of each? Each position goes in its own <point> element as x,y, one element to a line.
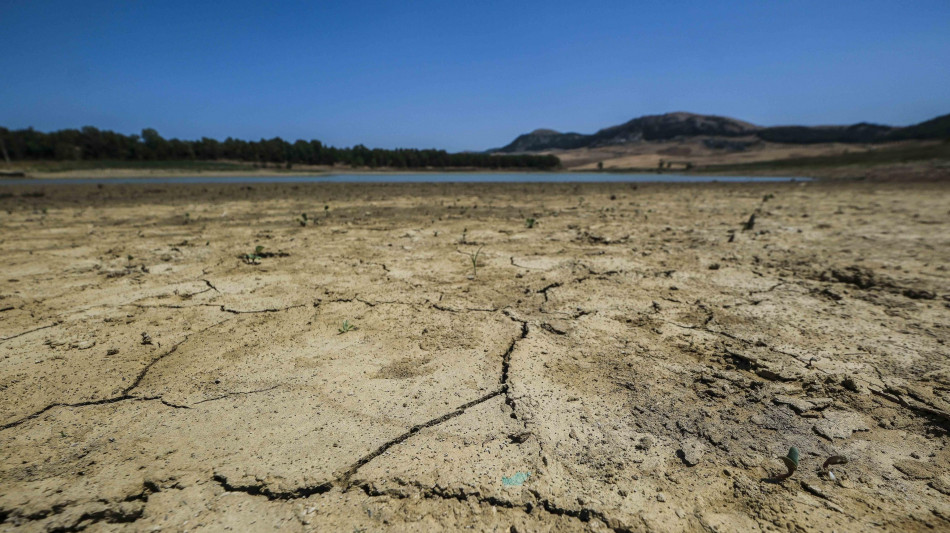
<point>635,361</point>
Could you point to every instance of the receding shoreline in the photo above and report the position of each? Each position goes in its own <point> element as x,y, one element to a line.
<point>928,170</point>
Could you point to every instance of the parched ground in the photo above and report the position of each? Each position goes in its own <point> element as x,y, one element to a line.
<point>636,361</point>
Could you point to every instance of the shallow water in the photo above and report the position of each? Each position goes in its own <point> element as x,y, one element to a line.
<point>428,177</point>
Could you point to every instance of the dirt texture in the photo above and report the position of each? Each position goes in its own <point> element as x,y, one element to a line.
<point>638,360</point>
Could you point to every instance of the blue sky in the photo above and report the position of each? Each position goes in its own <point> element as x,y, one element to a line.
<point>464,75</point>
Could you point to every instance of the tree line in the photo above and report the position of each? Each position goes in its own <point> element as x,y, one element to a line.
<point>92,144</point>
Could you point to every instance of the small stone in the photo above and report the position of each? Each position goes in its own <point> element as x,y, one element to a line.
<point>646,442</point>
<point>660,497</point>
<point>691,451</point>
<point>852,385</point>
<point>797,404</point>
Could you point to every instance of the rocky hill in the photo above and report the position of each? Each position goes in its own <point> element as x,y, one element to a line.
<point>682,125</point>
<point>542,139</point>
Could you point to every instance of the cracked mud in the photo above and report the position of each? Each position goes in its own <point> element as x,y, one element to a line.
<point>641,358</point>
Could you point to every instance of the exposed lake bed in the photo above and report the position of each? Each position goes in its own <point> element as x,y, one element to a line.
<point>403,177</point>
<point>553,356</point>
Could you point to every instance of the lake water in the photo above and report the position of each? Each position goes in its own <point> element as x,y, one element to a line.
<point>427,177</point>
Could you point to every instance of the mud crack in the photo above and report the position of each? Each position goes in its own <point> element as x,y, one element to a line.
<point>583,514</point>
<point>506,364</point>
<point>117,513</point>
<point>261,489</point>
<point>544,290</point>
<point>344,478</point>
<point>5,339</point>
<point>125,395</point>
<point>439,307</point>
<point>267,310</point>
<point>238,393</point>
<point>173,349</point>
<point>104,401</point>
<point>19,421</point>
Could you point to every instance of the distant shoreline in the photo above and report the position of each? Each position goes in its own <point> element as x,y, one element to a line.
<point>932,170</point>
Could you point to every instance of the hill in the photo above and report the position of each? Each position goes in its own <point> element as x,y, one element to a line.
<point>681,125</point>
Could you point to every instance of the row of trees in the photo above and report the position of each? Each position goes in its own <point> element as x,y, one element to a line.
<point>93,144</point>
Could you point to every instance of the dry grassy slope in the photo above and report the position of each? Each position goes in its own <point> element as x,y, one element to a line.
<point>637,353</point>
<point>647,155</point>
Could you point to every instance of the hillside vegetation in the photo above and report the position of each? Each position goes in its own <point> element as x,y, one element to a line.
<point>684,125</point>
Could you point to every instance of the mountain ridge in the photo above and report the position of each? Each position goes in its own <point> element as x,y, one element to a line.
<point>680,124</point>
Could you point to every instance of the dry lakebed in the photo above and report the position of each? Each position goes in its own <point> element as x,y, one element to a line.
<point>488,357</point>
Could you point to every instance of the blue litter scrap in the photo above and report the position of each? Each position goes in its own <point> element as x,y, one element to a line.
<point>516,480</point>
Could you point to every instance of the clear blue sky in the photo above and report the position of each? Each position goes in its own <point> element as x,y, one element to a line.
<point>464,74</point>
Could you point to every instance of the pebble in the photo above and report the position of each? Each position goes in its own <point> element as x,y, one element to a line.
<point>660,497</point>
<point>692,451</point>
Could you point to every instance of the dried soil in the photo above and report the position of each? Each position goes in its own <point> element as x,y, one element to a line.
<point>636,361</point>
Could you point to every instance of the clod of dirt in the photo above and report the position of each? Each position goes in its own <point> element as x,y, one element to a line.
<point>518,438</point>
<point>834,460</point>
<point>646,442</point>
<point>691,452</point>
<point>146,338</point>
<point>839,425</point>
<point>914,469</point>
<point>797,404</point>
<point>83,345</point>
<point>919,294</point>
<point>801,405</point>
<point>863,278</point>
<point>853,385</point>
<point>749,224</point>
<point>831,294</point>
<point>941,485</point>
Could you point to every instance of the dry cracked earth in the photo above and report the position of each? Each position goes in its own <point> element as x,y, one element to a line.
<point>636,361</point>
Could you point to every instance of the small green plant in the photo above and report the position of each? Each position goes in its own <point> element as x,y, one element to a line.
<point>529,223</point>
<point>187,218</point>
<point>346,327</point>
<point>474,258</point>
<point>129,259</point>
<point>326,210</point>
<point>791,463</point>
<point>254,258</point>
